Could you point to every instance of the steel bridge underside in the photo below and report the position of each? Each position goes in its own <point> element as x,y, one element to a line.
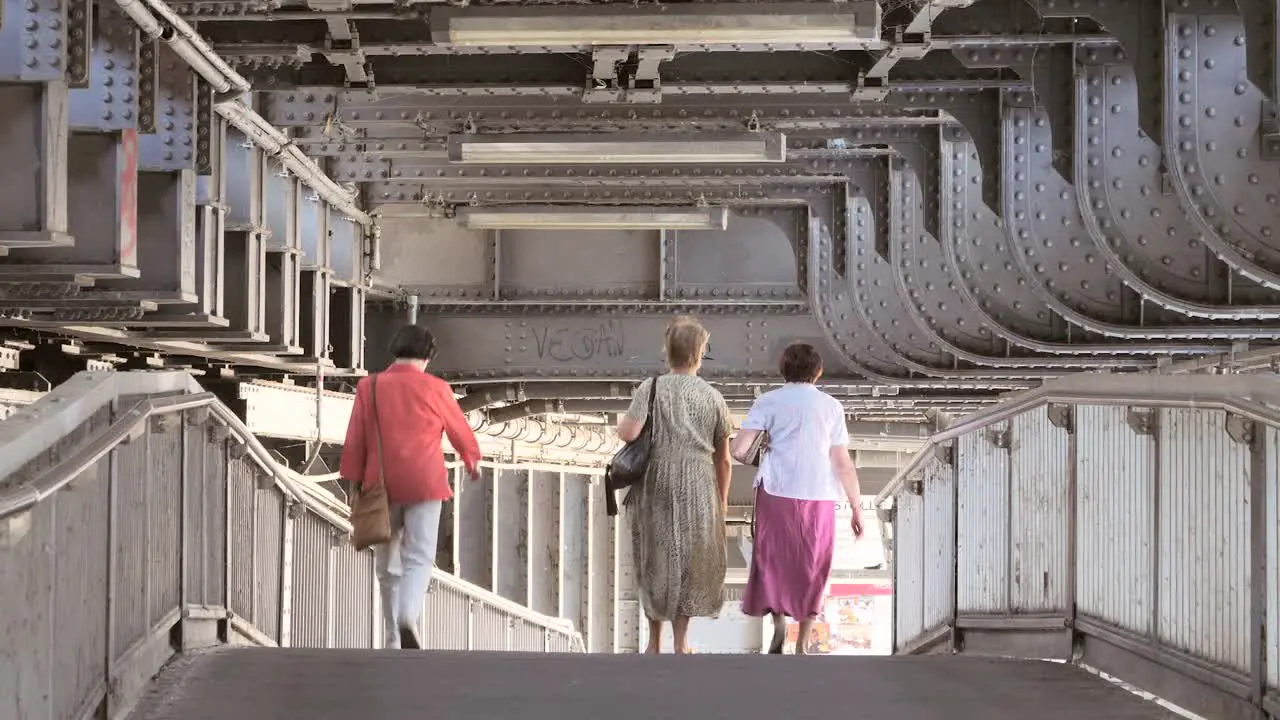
<point>961,199</point>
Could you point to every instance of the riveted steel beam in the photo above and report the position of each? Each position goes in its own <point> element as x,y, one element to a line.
<point>1176,274</point>
<point>1219,182</point>
<point>109,98</point>
<point>102,170</point>
<point>33,179</point>
<point>173,144</point>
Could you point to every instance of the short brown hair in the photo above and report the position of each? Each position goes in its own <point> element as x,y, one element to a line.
<point>685,341</point>
<point>801,363</point>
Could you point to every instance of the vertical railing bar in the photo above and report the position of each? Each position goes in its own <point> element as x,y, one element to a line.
<point>285,631</point>
<point>1008,517</point>
<point>471,624</point>
<point>1258,566</point>
<point>330,581</point>
<point>955,546</point>
<point>375,602</point>
<point>1073,450</point>
<point>147,513</point>
<point>511,631</point>
<point>1158,421</point>
<point>113,565</point>
<point>226,537</point>
<point>255,550</point>
<point>184,520</point>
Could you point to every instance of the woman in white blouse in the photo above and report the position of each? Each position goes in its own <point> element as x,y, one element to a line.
<point>802,474</point>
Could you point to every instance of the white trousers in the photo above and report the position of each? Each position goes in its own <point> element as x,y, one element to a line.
<point>404,566</point>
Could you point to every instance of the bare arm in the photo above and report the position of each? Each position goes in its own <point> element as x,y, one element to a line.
<point>629,428</point>
<point>724,470</point>
<point>847,473</point>
<point>742,444</point>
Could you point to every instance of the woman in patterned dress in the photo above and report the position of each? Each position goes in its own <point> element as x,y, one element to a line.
<point>803,473</point>
<point>677,527</point>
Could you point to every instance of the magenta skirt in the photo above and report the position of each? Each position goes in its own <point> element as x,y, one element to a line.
<point>790,557</point>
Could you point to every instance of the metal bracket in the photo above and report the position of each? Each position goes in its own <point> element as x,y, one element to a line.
<point>1063,416</point>
<point>998,437</point>
<point>198,416</point>
<point>915,485</point>
<point>219,432</point>
<point>297,510</point>
<point>612,81</point>
<point>166,423</point>
<point>238,450</point>
<point>1269,130</point>
<point>946,453</point>
<point>266,481</point>
<point>645,85</point>
<point>342,47</point>
<point>604,85</point>
<point>1240,429</point>
<point>887,515</point>
<point>1143,422</point>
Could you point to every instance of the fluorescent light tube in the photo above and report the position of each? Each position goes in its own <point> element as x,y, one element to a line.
<point>618,149</point>
<point>551,217</point>
<point>758,23</point>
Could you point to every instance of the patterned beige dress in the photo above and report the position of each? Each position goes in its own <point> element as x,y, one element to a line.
<point>677,527</point>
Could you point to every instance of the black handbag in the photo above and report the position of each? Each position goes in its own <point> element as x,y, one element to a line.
<point>628,466</point>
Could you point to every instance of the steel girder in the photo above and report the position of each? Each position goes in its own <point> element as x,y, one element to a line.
<point>1033,195</point>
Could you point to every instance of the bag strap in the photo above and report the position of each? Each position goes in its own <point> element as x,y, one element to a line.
<point>377,429</point>
<point>653,393</point>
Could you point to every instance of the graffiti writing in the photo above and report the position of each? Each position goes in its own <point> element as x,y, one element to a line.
<point>569,344</point>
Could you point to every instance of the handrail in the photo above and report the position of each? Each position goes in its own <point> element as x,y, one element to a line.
<point>1255,397</point>
<point>131,425</point>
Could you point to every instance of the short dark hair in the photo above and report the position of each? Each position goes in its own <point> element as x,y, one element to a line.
<point>413,342</point>
<point>801,363</point>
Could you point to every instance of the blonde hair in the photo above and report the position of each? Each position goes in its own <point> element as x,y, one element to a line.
<point>686,340</point>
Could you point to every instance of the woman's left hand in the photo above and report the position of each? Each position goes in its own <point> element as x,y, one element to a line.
<point>856,525</point>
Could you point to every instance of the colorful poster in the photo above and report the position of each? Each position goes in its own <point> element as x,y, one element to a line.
<point>856,620</point>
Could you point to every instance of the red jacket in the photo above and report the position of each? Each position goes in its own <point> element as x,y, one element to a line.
<point>414,410</point>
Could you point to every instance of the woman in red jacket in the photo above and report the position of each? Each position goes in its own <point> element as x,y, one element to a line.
<point>414,409</point>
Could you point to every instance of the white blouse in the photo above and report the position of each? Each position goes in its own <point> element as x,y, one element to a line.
<point>803,423</point>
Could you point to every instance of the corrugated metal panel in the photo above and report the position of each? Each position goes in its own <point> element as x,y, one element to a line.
<point>353,591</point>
<point>908,535</point>
<point>216,520</point>
<point>308,619</point>
<point>489,626</point>
<point>242,511</point>
<point>1204,538</point>
<point>444,620</point>
<point>528,637</point>
<point>983,524</point>
<point>26,586</point>
<point>1273,558</point>
<point>1115,519</point>
<point>80,590</point>
<point>131,546</point>
<point>939,540</point>
<point>1039,515</point>
<point>560,643</point>
<point>164,509</point>
<point>268,561</point>
<point>197,532</point>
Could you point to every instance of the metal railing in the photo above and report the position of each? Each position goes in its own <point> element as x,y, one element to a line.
<point>139,518</point>
<point>1126,522</point>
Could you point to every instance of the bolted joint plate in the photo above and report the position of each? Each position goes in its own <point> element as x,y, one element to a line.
<point>1241,429</point>
<point>1143,421</point>
<point>33,41</point>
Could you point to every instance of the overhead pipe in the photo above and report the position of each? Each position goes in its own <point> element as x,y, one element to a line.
<point>579,438</point>
<point>188,45</point>
<point>518,393</point>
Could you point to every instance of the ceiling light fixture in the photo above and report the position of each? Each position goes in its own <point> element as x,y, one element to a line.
<point>618,148</point>
<point>847,23</point>
<point>551,217</point>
